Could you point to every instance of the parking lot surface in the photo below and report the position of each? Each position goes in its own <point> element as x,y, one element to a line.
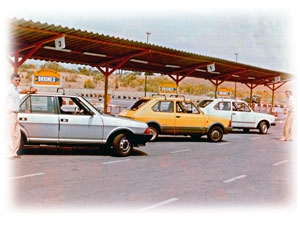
<point>245,169</point>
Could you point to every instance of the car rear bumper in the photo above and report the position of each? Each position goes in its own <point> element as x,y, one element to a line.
<point>141,139</point>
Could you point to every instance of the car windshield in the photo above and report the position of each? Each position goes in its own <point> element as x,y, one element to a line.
<point>138,104</point>
<point>204,103</point>
<point>92,105</point>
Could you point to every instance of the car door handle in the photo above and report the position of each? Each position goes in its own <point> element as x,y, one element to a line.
<point>233,114</point>
<point>64,120</point>
<point>23,118</point>
<point>178,116</point>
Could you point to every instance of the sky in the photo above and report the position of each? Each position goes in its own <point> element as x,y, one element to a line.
<point>259,37</point>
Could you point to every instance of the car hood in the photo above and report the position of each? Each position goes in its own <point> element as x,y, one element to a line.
<point>265,116</point>
<point>127,113</point>
<point>124,122</point>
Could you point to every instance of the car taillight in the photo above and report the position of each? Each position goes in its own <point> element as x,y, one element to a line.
<point>147,131</point>
<point>230,123</point>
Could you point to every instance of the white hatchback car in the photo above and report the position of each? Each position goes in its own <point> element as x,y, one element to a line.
<point>241,115</point>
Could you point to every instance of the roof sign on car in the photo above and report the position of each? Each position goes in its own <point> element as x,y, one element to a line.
<point>46,78</point>
<point>223,93</point>
<point>168,88</point>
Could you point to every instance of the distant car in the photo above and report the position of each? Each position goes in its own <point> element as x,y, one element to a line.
<point>177,116</point>
<point>242,116</point>
<point>255,99</point>
<point>72,120</point>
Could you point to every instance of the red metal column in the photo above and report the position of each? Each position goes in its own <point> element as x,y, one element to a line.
<point>273,88</point>
<point>251,87</point>
<point>106,74</point>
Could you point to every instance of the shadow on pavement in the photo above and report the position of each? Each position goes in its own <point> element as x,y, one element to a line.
<point>183,139</point>
<point>74,151</point>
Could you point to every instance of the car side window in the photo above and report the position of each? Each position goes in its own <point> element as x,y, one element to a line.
<point>72,106</point>
<point>186,107</point>
<point>240,107</point>
<point>223,106</point>
<point>163,106</point>
<point>38,104</point>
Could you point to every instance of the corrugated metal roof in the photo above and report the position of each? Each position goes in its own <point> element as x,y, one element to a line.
<point>93,49</point>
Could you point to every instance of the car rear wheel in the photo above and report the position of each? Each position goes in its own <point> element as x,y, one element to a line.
<point>215,134</point>
<point>122,145</point>
<point>154,133</point>
<point>263,128</point>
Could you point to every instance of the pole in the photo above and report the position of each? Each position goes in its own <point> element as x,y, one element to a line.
<point>148,34</point>
<point>236,57</point>
<point>216,89</point>
<point>273,96</point>
<point>106,93</point>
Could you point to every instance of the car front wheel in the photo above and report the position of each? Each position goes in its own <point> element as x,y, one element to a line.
<point>215,134</point>
<point>263,128</point>
<point>154,133</point>
<point>122,145</point>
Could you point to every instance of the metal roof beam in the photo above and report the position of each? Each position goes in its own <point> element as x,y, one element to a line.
<point>190,69</point>
<point>122,58</point>
<point>28,46</point>
<point>226,75</point>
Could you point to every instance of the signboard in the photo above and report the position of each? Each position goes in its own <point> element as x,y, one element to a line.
<point>60,43</point>
<point>46,78</point>
<point>223,93</point>
<point>277,79</point>
<point>211,68</point>
<point>167,88</point>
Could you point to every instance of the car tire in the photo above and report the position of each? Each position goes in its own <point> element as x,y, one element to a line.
<point>122,145</point>
<point>263,127</point>
<point>154,132</point>
<point>215,134</point>
<point>246,130</point>
<point>22,143</point>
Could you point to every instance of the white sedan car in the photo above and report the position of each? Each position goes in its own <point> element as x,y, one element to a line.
<point>241,115</point>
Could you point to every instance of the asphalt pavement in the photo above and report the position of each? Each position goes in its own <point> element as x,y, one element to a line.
<point>245,169</point>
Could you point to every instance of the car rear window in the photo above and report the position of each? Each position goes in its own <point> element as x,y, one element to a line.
<point>38,104</point>
<point>223,106</point>
<point>138,104</point>
<point>204,103</point>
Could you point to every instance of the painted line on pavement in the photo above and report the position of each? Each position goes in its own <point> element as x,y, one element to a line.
<point>28,175</point>
<point>254,138</point>
<point>111,162</point>
<point>234,179</point>
<point>153,206</point>
<point>179,151</point>
<point>281,162</point>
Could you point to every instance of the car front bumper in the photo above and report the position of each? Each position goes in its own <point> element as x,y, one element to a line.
<point>141,139</point>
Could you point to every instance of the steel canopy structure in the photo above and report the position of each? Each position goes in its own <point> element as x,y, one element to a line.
<point>35,40</point>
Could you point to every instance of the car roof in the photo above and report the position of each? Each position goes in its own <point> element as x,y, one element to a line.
<point>52,94</point>
<point>168,98</point>
<point>225,99</point>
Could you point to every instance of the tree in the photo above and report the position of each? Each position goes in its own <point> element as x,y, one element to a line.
<point>89,84</point>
